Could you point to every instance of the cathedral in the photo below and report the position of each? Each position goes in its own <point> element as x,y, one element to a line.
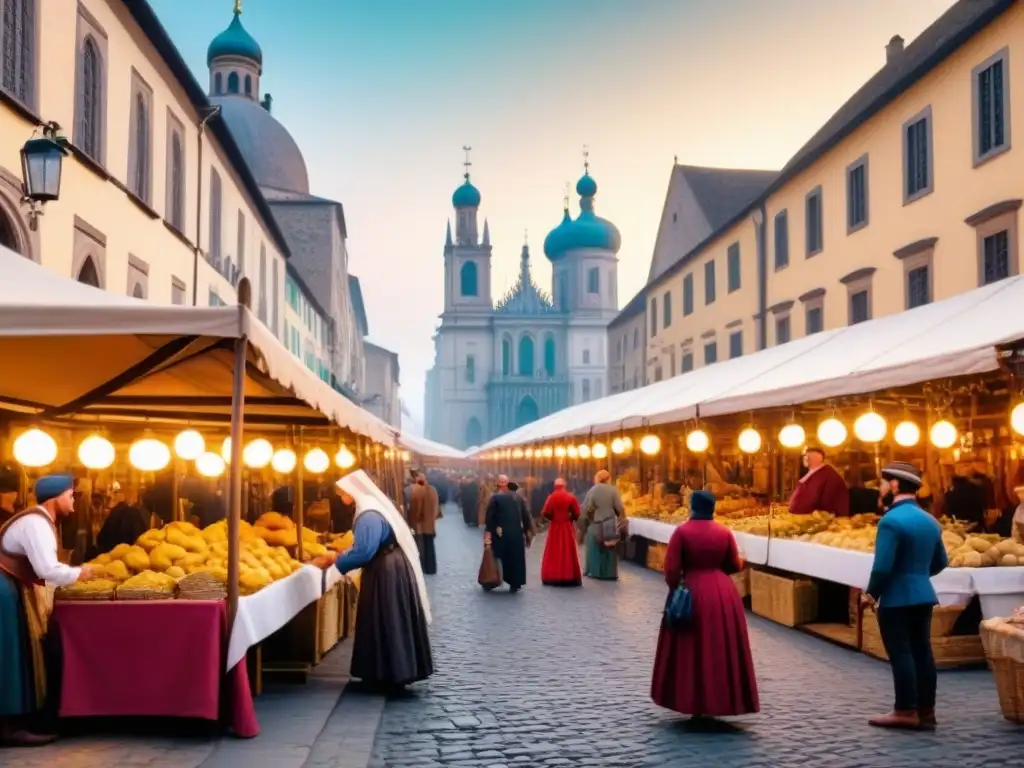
<point>501,364</point>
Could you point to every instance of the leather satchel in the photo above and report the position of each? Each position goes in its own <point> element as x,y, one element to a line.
<point>489,576</point>
<point>607,531</point>
<point>679,607</point>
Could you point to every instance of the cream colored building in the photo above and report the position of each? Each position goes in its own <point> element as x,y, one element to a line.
<point>382,398</point>
<point>909,194</point>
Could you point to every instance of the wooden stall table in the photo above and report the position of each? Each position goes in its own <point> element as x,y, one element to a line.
<point>158,658</point>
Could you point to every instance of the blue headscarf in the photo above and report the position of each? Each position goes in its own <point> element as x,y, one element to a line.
<point>52,486</point>
<point>702,505</point>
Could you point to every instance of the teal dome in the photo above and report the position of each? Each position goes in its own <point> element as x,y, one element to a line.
<point>235,41</point>
<point>466,196</point>
<point>587,231</point>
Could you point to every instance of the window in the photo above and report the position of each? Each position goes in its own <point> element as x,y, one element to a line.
<point>470,369</point>
<point>666,310</point>
<point>733,265</point>
<point>709,282</point>
<point>594,280</point>
<point>585,384</point>
<point>275,300</point>
<point>233,82</point>
<point>586,357</point>
<point>140,155</point>
<point>710,353</point>
<point>240,256</point>
<point>657,373</point>
<point>860,306</point>
<point>506,356</point>
<point>248,85</point>
<point>19,50</point>
<point>781,240</point>
<point>996,255</point>
<point>216,199</point>
<point>526,356</point>
<point>814,225</point>
<point>550,358</point>
<point>917,156</point>
<point>218,84</point>
<point>636,338</point>
<point>687,363</point>
<point>688,295</point>
<point>597,389</point>
<point>654,318</point>
<point>138,277</point>
<point>918,287</point>
<point>175,212</point>
<point>782,330</point>
<point>991,107</point>
<point>89,134</point>
<point>262,311</point>
<point>177,292</point>
<point>815,320</point>
<point>215,299</point>
<point>735,344</point>
<point>857,195</point>
<point>468,279</point>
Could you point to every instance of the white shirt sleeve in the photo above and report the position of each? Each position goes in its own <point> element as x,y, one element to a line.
<point>32,537</point>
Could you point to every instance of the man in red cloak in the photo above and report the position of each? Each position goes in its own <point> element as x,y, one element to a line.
<point>822,488</point>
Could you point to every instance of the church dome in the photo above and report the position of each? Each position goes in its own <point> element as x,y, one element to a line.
<point>466,196</point>
<point>587,231</point>
<point>270,151</point>
<point>235,41</point>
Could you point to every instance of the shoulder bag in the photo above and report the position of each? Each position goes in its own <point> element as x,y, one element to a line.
<point>679,608</point>
<point>607,531</point>
<point>489,576</point>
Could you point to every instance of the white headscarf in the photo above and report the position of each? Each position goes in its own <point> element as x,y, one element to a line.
<point>367,496</point>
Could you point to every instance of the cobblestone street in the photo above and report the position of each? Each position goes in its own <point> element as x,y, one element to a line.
<point>555,677</point>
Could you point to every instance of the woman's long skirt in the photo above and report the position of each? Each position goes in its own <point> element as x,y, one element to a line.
<point>707,669</point>
<point>561,563</point>
<point>392,645</point>
<point>16,689</point>
<point>428,554</point>
<point>602,562</point>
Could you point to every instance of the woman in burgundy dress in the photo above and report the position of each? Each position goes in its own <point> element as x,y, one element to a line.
<point>705,670</point>
<point>561,563</point>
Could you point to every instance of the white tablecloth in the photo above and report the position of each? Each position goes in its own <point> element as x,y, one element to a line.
<point>1001,590</point>
<point>262,614</point>
<point>332,576</point>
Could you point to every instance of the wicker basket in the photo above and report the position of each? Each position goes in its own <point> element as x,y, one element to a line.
<point>950,651</point>
<point>787,601</point>
<point>1007,670</point>
<point>742,582</point>
<point>64,596</point>
<point>656,557</point>
<point>141,593</point>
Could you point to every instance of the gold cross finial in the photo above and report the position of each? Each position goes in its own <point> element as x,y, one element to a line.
<point>586,160</point>
<point>467,163</point>
<point>567,188</point>
<point>238,7</point>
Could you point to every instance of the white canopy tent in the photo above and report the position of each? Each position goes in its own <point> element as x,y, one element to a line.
<point>955,337</point>
<point>428,448</point>
<point>70,350</point>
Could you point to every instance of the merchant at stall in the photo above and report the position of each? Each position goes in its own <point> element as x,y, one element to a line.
<point>392,645</point>
<point>821,489</point>
<point>28,560</point>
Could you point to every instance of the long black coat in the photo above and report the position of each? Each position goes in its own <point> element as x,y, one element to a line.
<point>508,512</point>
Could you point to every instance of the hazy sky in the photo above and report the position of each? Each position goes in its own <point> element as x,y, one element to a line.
<point>382,94</point>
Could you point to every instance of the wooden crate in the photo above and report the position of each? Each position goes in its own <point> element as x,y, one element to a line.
<point>656,557</point>
<point>783,599</point>
<point>742,582</point>
<point>949,650</point>
<point>330,619</point>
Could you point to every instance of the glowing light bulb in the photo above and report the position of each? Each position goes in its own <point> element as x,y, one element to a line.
<point>792,436</point>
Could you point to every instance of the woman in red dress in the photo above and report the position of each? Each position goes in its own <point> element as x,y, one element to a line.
<point>561,563</point>
<point>705,670</point>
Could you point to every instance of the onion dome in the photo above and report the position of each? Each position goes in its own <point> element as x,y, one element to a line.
<point>466,196</point>
<point>553,242</point>
<point>235,41</point>
<point>587,231</point>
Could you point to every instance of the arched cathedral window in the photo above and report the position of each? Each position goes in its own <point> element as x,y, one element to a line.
<point>526,356</point>
<point>550,357</point>
<point>90,99</point>
<point>233,82</point>
<point>468,279</point>
<point>19,43</point>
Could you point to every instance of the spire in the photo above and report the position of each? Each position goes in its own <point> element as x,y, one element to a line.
<point>524,263</point>
<point>448,236</point>
<point>467,163</point>
<point>565,203</point>
<point>487,234</point>
<point>586,160</point>
<point>238,7</point>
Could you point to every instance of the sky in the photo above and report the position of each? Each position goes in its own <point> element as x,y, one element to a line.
<point>381,96</point>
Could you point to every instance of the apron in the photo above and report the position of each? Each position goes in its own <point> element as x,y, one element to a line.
<point>36,599</point>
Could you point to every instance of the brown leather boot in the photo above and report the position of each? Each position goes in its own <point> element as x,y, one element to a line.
<point>898,718</point>
<point>22,738</point>
<point>927,719</point>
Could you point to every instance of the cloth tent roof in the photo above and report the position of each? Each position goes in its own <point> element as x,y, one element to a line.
<point>423,447</point>
<point>73,351</point>
<point>954,337</point>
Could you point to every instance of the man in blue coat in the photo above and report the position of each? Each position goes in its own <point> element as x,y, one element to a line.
<point>908,552</point>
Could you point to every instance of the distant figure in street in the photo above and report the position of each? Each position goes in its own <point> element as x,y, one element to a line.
<point>469,500</point>
<point>705,669</point>
<point>507,527</point>
<point>485,500</point>
<point>561,563</point>
<point>407,496</point>
<point>392,645</point>
<point>424,509</point>
<point>601,505</point>
<point>908,552</point>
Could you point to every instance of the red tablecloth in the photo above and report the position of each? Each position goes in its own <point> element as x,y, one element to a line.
<point>157,658</point>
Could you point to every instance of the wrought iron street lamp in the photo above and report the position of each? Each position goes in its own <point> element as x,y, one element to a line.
<point>41,161</point>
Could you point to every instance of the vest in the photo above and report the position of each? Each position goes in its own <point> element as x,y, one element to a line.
<point>18,566</point>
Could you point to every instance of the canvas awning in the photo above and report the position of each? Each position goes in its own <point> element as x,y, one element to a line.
<point>428,448</point>
<point>72,351</point>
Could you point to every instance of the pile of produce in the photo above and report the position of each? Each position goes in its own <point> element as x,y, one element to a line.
<point>280,531</point>
<point>982,550</point>
<point>342,542</point>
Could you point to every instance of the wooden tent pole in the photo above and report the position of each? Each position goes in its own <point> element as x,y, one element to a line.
<point>235,470</point>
